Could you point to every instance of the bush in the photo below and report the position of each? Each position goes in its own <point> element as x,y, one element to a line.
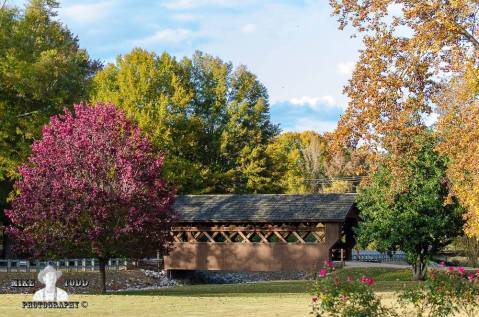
<point>336,296</point>
<point>446,292</point>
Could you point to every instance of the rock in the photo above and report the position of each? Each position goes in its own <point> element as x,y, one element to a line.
<point>210,277</point>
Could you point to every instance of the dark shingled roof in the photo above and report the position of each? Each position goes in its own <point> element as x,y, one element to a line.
<point>264,208</point>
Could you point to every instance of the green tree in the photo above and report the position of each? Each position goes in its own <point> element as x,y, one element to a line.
<point>210,119</point>
<point>416,221</point>
<point>42,70</point>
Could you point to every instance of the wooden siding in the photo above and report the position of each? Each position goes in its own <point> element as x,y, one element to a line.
<point>253,256</point>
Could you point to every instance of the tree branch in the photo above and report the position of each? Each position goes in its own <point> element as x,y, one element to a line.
<point>471,38</point>
<point>27,114</point>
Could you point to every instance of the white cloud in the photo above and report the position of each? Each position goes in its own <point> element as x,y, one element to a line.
<point>314,102</point>
<point>346,68</point>
<point>186,17</point>
<point>165,35</point>
<point>294,50</point>
<point>86,13</point>
<point>308,124</point>
<point>191,4</point>
<point>248,28</point>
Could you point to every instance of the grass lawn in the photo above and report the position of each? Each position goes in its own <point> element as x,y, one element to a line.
<point>275,298</point>
<point>386,280</point>
<point>139,306</point>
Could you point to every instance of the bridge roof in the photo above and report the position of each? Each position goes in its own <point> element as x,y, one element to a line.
<point>264,208</point>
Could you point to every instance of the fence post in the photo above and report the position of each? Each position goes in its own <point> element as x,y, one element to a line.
<point>117,264</point>
<point>342,257</point>
<point>83,264</point>
<point>27,268</point>
<point>9,265</point>
<point>93,264</point>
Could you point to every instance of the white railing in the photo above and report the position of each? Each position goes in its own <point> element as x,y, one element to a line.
<point>376,256</point>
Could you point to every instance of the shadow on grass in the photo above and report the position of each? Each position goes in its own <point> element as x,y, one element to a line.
<point>253,289</point>
<point>387,280</point>
<point>217,290</point>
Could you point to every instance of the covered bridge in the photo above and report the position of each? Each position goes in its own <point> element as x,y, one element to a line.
<point>261,232</point>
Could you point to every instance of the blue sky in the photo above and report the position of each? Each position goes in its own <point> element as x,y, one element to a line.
<point>294,47</point>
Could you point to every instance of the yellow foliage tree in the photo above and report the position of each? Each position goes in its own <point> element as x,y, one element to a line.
<point>306,163</point>
<point>419,57</point>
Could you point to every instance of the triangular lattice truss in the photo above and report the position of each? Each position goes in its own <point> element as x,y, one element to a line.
<point>249,233</point>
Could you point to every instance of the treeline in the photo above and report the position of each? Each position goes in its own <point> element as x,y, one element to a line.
<point>213,122</point>
<point>211,119</point>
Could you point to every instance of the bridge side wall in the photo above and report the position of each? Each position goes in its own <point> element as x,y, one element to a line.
<point>252,256</point>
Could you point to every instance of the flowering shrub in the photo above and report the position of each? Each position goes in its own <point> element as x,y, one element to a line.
<point>350,297</point>
<point>444,293</point>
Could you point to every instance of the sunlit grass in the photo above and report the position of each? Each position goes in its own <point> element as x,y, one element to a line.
<point>272,298</point>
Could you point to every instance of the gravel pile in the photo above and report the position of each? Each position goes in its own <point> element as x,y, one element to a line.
<point>157,280</point>
<point>162,278</point>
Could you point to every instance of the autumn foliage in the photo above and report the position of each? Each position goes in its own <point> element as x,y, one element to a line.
<point>91,188</point>
<point>419,58</point>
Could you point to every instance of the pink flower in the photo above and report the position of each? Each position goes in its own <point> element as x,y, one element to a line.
<point>451,269</point>
<point>370,281</point>
<point>322,272</point>
<point>363,279</point>
<point>328,263</point>
<point>471,277</point>
<point>460,270</point>
<point>442,264</point>
<point>344,298</point>
<point>477,274</point>
<point>350,278</point>
<point>314,299</point>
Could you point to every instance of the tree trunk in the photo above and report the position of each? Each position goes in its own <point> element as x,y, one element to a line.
<point>5,243</point>
<point>102,263</point>
<point>419,269</point>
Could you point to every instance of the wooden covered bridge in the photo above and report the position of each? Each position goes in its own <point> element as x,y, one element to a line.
<point>261,232</point>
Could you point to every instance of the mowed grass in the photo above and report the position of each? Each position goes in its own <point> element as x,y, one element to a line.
<point>386,280</point>
<point>273,298</point>
<point>169,306</point>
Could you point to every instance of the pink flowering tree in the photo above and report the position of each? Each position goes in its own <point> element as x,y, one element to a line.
<point>92,188</point>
